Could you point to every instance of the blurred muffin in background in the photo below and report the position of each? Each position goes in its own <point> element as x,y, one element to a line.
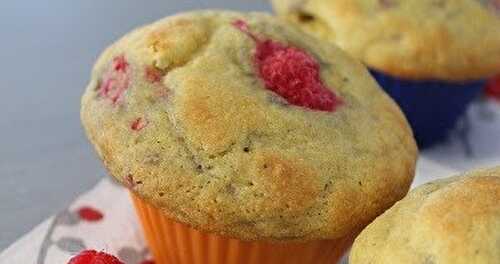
<point>449,221</point>
<point>431,56</point>
<point>244,140</point>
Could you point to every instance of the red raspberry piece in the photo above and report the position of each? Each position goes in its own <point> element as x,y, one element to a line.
<point>153,74</point>
<point>243,27</point>
<point>94,257</point>
<point>90,214</point>
<point>496,5</point>
<point>115,80</point>
<point>138,124</point>
<point>120,64</point>
<point>387,3</point>
<point>493,88</point>
<point>291,73</point>
<point>294,75</point>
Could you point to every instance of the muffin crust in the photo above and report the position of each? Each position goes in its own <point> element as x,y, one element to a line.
<point>195,132</point>
<point>451,40</point>
<point>456,220</point>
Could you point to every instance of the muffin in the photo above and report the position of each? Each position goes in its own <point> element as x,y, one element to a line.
<point>244,141</point>
<point>455,220</point>
<point>431,56</point>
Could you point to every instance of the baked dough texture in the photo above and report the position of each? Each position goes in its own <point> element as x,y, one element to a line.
<point>450,221</point>
<point>453,40</point>
<point>180,114</point>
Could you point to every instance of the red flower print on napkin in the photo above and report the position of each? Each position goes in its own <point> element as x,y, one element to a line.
<point>90,214</point>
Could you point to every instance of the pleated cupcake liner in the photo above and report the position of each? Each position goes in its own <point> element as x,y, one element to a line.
<point>174,242</point>
<point>432,107</point>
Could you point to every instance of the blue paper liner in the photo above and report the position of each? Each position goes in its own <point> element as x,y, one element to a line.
<point>431,107</point>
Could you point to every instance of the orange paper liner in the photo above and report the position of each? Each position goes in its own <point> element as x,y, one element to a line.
<point>173,242</point>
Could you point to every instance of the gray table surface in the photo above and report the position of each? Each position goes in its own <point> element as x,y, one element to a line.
<point>47,49</point>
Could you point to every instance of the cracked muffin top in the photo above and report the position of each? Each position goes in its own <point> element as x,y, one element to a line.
<point>455,221</point>
<point>414,39</point>
<point>239,124</point>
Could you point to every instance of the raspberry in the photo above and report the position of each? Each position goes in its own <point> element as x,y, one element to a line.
<point>291,73</point>
<point>496,5</point>
<point>138,124</point>
<point>115,80</point>
<point>120,64</point>
<point>493,88</point>
<point>94,257</point>
<point>387,3</point>
<point>153,74</point>
<point>243,27</point>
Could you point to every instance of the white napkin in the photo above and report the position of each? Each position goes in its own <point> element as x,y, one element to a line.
<point>116,231</point>
<point>110,223</point>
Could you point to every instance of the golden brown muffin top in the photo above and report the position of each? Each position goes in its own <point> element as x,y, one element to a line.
<point>194,114</point>
<point>414,39</point>
<point>451,221</point>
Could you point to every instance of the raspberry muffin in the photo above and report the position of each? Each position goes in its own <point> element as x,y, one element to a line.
<point>455,220</point>
<point>431,56</point>
<point>245,141</point>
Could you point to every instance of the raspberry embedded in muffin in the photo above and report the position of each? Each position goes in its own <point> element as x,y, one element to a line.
<point>291,73</point>
<point>138,124</point>
<point>387,3</point>
<point>153,74</point>
<point>115,80</point>
<point>496,6</point>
